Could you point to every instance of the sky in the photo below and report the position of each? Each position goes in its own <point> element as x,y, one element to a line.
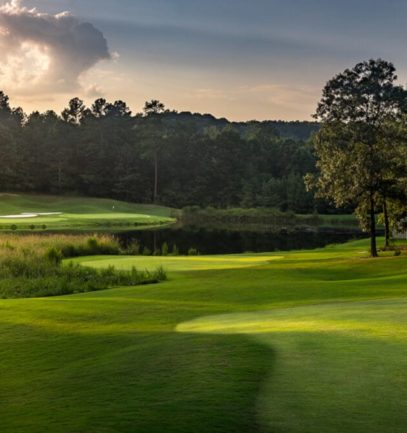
<point>239,59</point>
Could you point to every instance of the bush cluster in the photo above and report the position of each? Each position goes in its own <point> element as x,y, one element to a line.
<point>32,267</point>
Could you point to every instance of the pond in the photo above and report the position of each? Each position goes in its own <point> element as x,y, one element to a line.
<point>232,242</point>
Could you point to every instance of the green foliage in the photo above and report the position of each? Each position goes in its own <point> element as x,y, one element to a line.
<point>359,147</point>
<point>134,248</point>
<point>160,274</point>
<point>28,271</point>
<point>93,246</point>
<point>103,151</point>
<point>54,256</point>
<point>147,251</point>
<point>193,252</point>
<point>164,249</point>
<point>252,218</point>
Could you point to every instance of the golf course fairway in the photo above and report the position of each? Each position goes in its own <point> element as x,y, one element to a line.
<point>293,342</point>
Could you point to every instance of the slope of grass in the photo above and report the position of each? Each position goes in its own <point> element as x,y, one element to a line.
<point>77,213</point>
<point>338,367</point>
<point>310,341</point>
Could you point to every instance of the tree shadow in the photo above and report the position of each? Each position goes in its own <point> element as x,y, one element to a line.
<point>141,382</point>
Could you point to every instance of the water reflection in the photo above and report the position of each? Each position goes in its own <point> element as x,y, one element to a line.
<point>228,242</point>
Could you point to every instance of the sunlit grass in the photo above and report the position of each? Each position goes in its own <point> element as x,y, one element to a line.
<point>337,364</point>
<point>77,213</point>
<point>379,319</point>
<point>307,341</point>
<point>178,263</point>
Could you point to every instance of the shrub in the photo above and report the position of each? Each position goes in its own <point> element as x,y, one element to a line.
<point>133,248</point>
<point>23,281</point>
<point>93,244</point>
<point>193,252</point>
<point>54,256</point>
<point>160,274</point>
<point>164,249</point>
<point>147,251</point>
<point>31,266</point>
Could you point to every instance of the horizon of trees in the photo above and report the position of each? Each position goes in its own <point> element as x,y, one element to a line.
<point>159,155</point>
<point>184,159</point>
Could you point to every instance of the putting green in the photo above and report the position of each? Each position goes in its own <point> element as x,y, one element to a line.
<point>180,263</point>
<point>76,213</point>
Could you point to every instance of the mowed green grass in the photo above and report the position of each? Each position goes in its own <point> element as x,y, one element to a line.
<point>308,341</point>
<point>178,263</point>
<point>78,213</point>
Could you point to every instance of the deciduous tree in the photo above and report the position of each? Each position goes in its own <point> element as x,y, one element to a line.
<point>353,147</point>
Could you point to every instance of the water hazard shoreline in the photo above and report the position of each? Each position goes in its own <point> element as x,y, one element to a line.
<point>221,241</point>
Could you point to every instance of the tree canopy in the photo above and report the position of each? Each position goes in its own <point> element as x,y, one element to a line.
<point>178,159</point>
<point>360,145</point>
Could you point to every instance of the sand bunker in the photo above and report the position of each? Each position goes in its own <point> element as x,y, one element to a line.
<point>30,215</point>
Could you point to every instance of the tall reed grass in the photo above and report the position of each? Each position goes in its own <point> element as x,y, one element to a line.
<point>31,266</point>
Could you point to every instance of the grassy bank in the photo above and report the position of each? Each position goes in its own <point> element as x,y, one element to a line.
<point>292,342</point>
<point>23,212</point>
<point>31,266</point>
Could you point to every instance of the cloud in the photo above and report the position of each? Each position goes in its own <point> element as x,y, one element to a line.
<point>93,91</point>
<point>43,52</point>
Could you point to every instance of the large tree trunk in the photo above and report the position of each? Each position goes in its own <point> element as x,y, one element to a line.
<point>386,225</point>
<point>373,246</point>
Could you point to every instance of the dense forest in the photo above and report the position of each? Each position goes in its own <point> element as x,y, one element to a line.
<point>177,159</point>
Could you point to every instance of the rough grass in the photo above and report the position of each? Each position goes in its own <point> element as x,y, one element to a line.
<point>312,342</point>
<point>78,213</point>
<point>30,266</point>
<point>69,245</point>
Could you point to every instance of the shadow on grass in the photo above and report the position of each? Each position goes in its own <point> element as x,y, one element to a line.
<point>144,383</point>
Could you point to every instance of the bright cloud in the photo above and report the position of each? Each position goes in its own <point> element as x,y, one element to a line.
<point>42,52</point>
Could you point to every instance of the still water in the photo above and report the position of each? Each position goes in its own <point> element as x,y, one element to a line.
<point>229,242</point>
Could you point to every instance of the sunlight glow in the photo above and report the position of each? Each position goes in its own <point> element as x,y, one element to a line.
<point>26,67</point>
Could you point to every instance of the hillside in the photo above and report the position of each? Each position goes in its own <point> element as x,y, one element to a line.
<point>48,212</point>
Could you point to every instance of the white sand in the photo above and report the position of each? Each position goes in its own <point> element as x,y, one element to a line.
<point>30,215</point>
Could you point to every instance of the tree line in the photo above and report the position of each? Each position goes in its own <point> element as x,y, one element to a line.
<point>353,157</point>
<point>158,155</point>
